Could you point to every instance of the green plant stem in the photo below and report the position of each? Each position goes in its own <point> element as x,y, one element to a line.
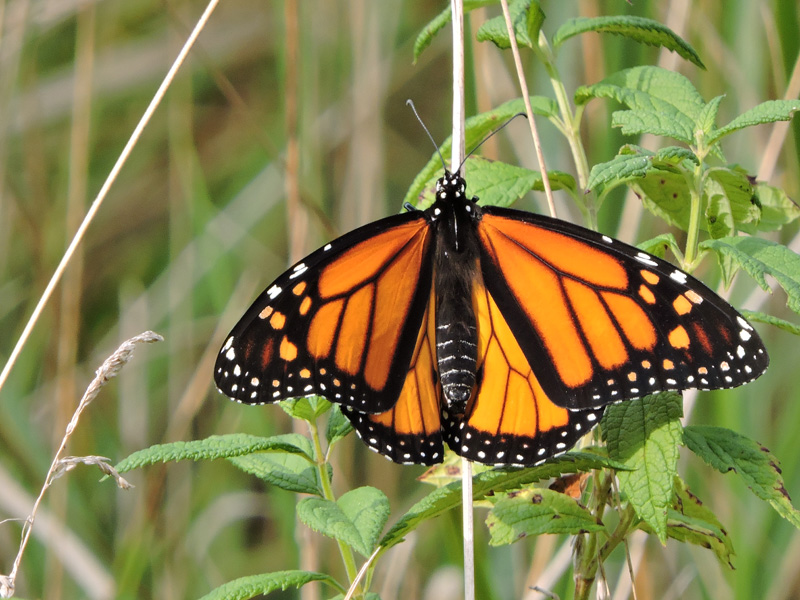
<point>695,203</point>
<point>322,470</point>
<point>571,121</point>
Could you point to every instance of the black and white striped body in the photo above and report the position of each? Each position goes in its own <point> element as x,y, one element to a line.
<point>455,271</point>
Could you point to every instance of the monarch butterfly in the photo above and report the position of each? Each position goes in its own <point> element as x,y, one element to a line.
<point>500,332</point>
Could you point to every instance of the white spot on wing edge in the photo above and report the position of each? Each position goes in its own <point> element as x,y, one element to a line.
<point>273,292</point>
<point>678,276</point>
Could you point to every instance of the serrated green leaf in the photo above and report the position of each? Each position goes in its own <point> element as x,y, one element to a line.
<point>356,518</point>
<point>213,447</point>
<point>638,29</point>
<point>534,512</point>
<point>708,117</point>
<point>666,195</point>
<point>760,257</point>
<point>445,498</point>
<point>438,23</point>
<point>622,168</point>
<point>308,409</point>
<point>766,112</point>
<point>527,18</point>
<point>644,434</point>
<point>258,585</point>
<point>497,183</point>
<point>477,128</point>
<point>338,426</point>
<point>289,472</point>
<point>726,450</point>
<point>640,122</point>
<point>674,155</point>
<point>689,521</point>
<point>664,94</point>
<point>777,209</point>
<point>659,244</point>
<point>761,317</point>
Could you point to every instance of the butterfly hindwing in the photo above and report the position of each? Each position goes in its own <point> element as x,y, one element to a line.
<point>342,323</point>
<point>411,431</point>
<point>510,419</point>
<point>600,321</point>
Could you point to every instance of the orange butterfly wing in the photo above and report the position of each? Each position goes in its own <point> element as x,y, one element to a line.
<point>600,321</point>
<point>410,432</point>
<point>342,323</point>
<point>510,419</point>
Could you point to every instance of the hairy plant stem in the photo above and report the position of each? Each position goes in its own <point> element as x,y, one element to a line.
<point>322,470</point>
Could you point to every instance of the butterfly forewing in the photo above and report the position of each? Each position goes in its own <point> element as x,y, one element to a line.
<point>600,321</point>
<point>342,323</point>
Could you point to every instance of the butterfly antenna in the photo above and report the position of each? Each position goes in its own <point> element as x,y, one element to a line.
<point>410,103</point>
<point>489,135</point>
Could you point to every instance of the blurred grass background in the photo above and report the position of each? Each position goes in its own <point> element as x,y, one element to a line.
<point>288,126</point>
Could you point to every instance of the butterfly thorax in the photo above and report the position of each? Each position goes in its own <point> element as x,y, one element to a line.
<point>454,218</point>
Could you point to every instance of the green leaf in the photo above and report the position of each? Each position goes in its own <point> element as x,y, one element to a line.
<point>622,168</point>
<point>496,480</point>
<point>643,435</point>
<point>536,511</point>
<point>708,118</point>
<point>688,520</point>
<point>215,446</point>
<point>656,96</point>
<point>356,518</point>
<point>290,472</point>
<point>760,257</point>
<point>526,16</point>
<point>308,409</point>
<point>726,450</point>
<point>338,426</point>
<point>477,128</point>
<point>777,209</point>
<point>659,244</point>
<point>664,194</point>
<point>497,183</point>
<point>638,29</point>
<point>674,155</point>
<point>258,585</point>
<point>438,23</point>
<point>734,186</point>
<point>766,112</point>
<point>770,320</point>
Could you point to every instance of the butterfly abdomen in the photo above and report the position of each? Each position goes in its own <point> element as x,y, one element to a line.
<point>455,272</point>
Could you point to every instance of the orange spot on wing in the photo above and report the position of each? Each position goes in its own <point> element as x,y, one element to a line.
<point>668,364</point>
<point>305,304</point>
<point>299,288</point>
<point>287,351</point>
<point>678,338</point>
<point>277,320</point>
<point>646,294</point>
<point>266,312</point>
<point>702,337</point>
<point>649,277</point>
<point>305,373</point>
<point>682,305</point>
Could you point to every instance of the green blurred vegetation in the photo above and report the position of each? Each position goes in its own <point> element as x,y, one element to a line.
<point>197,224</point>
